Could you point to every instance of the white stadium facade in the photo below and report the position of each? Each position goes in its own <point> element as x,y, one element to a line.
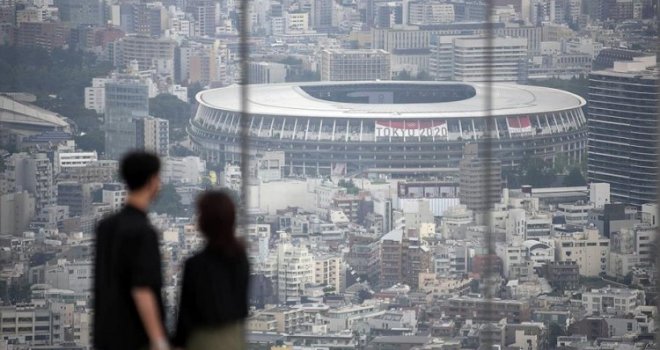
<point>390,127</point>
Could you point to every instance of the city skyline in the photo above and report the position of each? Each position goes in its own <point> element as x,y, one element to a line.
<point>411,174</point>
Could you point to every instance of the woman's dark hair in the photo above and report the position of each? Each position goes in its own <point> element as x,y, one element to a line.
<point>217,220</point>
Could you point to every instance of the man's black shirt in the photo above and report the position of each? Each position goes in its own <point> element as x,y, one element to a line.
<point>127,256</point>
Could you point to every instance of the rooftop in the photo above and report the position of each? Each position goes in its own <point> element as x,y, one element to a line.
<point>365,99</point>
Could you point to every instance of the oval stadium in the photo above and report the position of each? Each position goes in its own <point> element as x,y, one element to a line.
<point>390,127</point>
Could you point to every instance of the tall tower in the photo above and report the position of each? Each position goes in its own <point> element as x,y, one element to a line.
<point>623,121</point>
<point>480,179</point>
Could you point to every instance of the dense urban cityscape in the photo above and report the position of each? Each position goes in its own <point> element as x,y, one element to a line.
<point>422,174</point>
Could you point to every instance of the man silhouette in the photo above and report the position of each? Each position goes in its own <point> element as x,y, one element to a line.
<point>128,306</point>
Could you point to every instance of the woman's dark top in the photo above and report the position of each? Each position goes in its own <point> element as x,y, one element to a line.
<point>214,292</point>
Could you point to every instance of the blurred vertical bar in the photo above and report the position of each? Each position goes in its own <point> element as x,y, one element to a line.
<point>485,151</point>
<point>657,202</point>
<point>244,52</point>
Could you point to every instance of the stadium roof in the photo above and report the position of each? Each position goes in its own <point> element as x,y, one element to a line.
<point>16,112</point>
<point>291,99</point>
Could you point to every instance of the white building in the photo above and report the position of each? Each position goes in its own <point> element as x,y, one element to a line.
<point>355,64</point>
<point>495,59</point>
<point>65,160</point>
<point>75,276</point>
<point>613,300</point>
<point>28,324</point>
<point>95,95</point>
<point>181,92</point>
<point>575,213</point>
<point>295,269</point>
<point>296,22</point>
<point>599,194</point>
<point>588,249</point>
<point>183,170</point>
<point>329,270</point>
<point>428,13</point>
<point>267,72</point>
<point>114,195</point>
<point>153,134</point>
<point>455,218</point>
<point>232,177</point>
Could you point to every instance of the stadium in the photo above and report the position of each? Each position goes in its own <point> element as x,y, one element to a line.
<point>390,127</point>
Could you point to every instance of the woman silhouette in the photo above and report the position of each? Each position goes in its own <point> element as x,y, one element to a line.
<point>213,303</point>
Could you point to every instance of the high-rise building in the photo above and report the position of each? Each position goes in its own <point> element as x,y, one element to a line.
<point>125,101</point>
<point>480,180</point>
<point>329,270</point>
<point>295,269</point>
<point>204,13</point>
<point>429,13</point>
<point>348,64</point>
<point>81,12</point>
<point>16,211</point>
<point>145,50</point>
<point>490,59</point>
<point>322,14</point>
<point>77,196</point>
<point>623,121</point>
<point>588,249</point>
<point>153,134</point>
<point>267,73</point>
<point>32,173</point>
<point>402,258</point>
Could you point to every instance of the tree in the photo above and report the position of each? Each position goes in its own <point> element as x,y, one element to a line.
<point>537,172</point>
<point>423,75</point>
<point>554,331</point>
<point>169,202</point>
<point>193,89</point>
<point>575,178</point>
<point>93,140</point>
<point>169,107</point>
<point>402,75</point>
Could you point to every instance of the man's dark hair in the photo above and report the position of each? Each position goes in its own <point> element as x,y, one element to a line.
<point>137,168</point>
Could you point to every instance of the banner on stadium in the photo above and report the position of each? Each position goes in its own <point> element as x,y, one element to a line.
<point>519,125</point>
<point>412,128</point>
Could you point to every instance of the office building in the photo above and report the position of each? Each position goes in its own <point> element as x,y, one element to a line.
<point>64,160</point>
<point>355,65</point>
<point>125,101</point>
<point>588,249</point>
<point>515,311</point>
<point>267,73</point>
<point>623,122</point>
<point>153,134</point>
<point>101,171</point>
<point>29,324</point>
<point>204,13</point>
<point>615,300</point>
<point>32,173</point>
<point>113,194</point>
<point>77,196</point>
<point>47,35</point>
<point>295,268</point>
<point>81,12</point>
<point>402,258</point>
<point>329,270</point>
<point>16,211</point>
<point>183,170</point>
<point>480,180</point>
<point>429,13</point>
<point>322,14</point>
<point>490,59</point>
<point>145,50</point>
